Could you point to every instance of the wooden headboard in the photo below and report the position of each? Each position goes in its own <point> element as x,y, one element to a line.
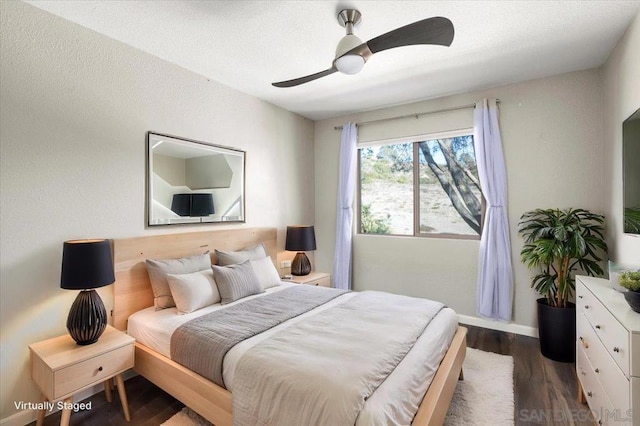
<point>132,289</point>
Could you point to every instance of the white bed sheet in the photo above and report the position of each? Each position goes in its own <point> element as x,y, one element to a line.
<point>386,406</point>
<point>154,328</point>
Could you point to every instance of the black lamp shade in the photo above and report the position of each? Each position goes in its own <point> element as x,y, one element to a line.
<point>86,264</point>
<point>194,205</point>
<point>300,238</point>
<point>181,204</point>
<point>202,204</point>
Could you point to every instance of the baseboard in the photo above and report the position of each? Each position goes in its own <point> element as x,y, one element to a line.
<point>25,417</point>
<point>500,326</point>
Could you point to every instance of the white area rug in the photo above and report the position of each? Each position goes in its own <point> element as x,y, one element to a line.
<point>484,397</point>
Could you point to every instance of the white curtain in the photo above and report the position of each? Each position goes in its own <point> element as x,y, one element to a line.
<point>344,216</point>
<point>494,292</point>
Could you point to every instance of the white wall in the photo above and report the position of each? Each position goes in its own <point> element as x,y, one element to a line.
<point>75,109</point>
<point>552,140</point>
<point>621,99</point>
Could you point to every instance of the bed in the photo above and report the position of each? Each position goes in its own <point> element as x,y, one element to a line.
<point>133,295</point>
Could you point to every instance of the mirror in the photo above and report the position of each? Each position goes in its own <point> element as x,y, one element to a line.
<point>193,182</point>
<point>631,173</point>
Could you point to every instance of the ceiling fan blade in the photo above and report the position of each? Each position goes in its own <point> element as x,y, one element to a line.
<point>306,79</point>
<point>437,30</point>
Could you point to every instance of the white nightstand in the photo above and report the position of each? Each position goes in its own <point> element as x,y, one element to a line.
<point>321,279</point>
<point>62,368</point>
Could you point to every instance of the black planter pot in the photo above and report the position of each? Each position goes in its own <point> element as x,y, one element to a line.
<point>557,330</point>
<point>633,299</point>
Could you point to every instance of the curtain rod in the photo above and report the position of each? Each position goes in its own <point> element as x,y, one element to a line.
<point>416,115</point>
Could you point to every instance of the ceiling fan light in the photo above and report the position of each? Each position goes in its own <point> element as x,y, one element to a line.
<point>349,64</point>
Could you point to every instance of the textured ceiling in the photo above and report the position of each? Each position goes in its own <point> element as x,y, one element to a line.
<point>248,45</point>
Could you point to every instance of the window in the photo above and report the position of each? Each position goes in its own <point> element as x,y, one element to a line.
<point>420,186</point>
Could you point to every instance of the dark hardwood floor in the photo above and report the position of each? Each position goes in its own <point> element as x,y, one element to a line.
<point>545,390</point>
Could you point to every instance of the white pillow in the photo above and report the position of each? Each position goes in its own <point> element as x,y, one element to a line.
<point>193,291</point>
<point>158,270</point>
<point>266,272</point>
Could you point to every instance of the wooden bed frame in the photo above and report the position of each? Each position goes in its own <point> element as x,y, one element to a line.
<point>132,292</point>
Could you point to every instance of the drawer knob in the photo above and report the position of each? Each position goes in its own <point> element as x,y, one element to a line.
<point>598,326</point>
<point>100,368</point>
<point>589,394</point>
<point>580,297</point>
<point>586,306</point>
<point>616,349</point>
<point>584,344</point>
<point>597,370</point>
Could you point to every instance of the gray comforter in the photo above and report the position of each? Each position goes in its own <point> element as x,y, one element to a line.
<point>202,343</point>
<point>321,371</point>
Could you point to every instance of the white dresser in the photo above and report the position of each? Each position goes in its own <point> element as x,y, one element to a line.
<point>608,352</point>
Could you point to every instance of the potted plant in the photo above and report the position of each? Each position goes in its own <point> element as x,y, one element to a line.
<point>631,281</point>
<point>558,243</point>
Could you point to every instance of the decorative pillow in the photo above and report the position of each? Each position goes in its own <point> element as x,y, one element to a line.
<point>236,281</point>
<point>193,291</point>
<point>227,257</point>
<point>266,272</point>
<point>158,270</point>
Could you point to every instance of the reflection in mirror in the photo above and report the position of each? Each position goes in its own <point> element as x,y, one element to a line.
<point>193,182</point>
<point>631,173</point>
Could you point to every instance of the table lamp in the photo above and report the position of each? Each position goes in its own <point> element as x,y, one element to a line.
<point>300,239</point>
<point>86,264</point>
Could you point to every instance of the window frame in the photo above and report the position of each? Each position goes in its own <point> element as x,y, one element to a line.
<point>415,140</point>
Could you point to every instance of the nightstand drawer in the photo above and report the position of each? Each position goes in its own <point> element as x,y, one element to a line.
<point>322,282</point>
<point>320,279</point>
<point>70,379</point>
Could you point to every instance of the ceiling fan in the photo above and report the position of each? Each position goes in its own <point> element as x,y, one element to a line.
<point>352,53</point>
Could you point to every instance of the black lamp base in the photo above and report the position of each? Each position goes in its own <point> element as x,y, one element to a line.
<point>300,265</point>
<point>87,318</point>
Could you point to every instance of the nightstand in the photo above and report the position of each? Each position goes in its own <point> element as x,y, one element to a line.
<point>62,368</point>
<point>321,279</point>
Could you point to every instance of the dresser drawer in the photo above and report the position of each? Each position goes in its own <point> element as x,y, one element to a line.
<point>584,298</point>
<point>71,379</point>
<point>594,393</point>
<point>605,370</point>
<point>614,337</point>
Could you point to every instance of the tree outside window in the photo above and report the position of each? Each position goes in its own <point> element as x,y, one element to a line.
<point>426,187</point>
